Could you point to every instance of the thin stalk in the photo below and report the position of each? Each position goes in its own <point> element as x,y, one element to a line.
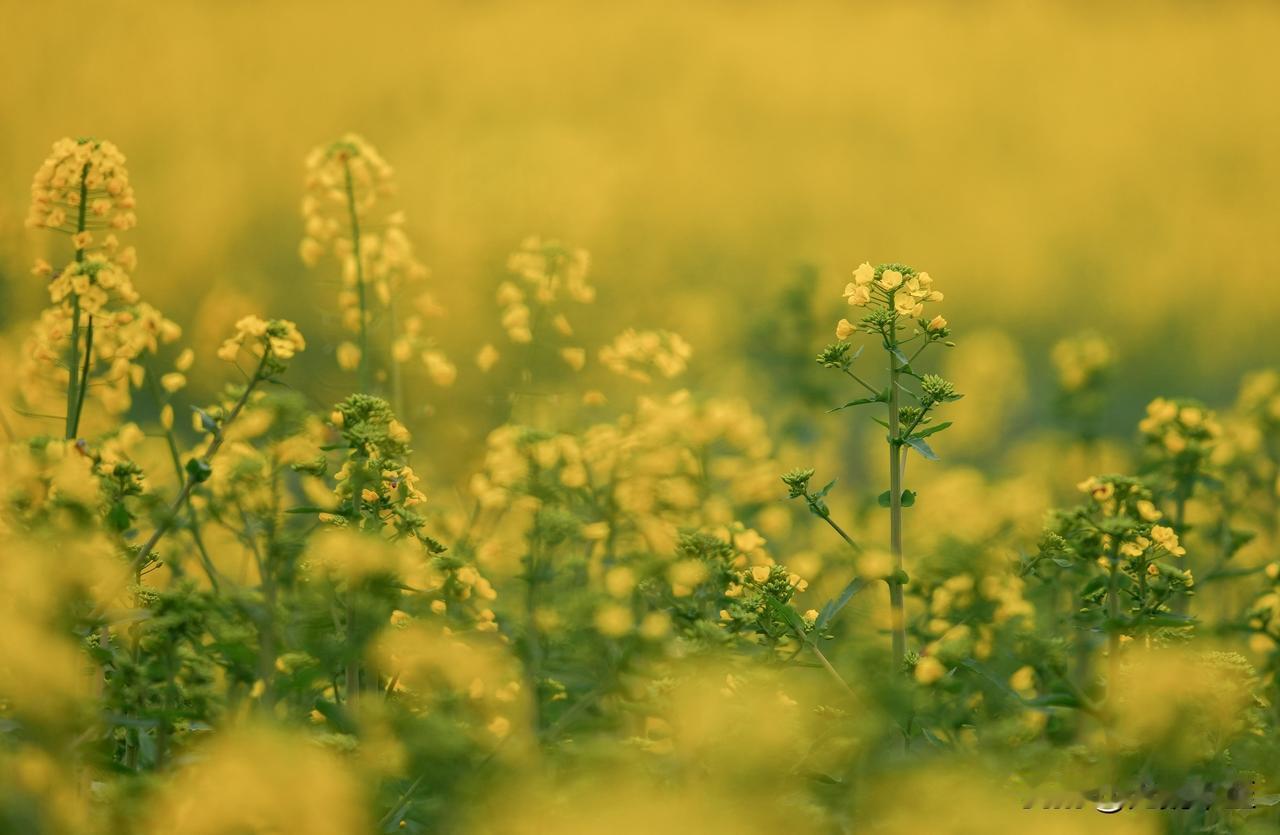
<point>535,644</point>
<point>166,524</point>
<point>353,664</point>
<point>74,398</point>
<point>193,526</point>
<point>897,609</point>
<point>1183,603</point>
<point>363,369</point>
<point>832,670</point>
<point>84,375</point>
<point>397,382</point>
<point>1113,631</point>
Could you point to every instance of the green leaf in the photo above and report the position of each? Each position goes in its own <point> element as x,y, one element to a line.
<point>119,517</point>
<point>992,679</point>
<point>882,397</point>
<point>908,498</point>
<point>207,423</point>
<point>788,615</point>
<point>931,430</point>
<point>901,358</point>
<point>826,488</point>
<point>1054,700</point>
<point>833,606</point>
<point>921,447</point>
<point>199,470</point>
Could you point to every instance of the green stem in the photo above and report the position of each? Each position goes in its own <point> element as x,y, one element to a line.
<point>1113,626</point>
<point>897,609</point>
<point>74,398</point>
<point>535,644</point>
<point>397,383</point>
<point>826,664</point>
<point>363,371</point>
<point>166,524</point>
<point>84,375</point>
<point>193,525</point>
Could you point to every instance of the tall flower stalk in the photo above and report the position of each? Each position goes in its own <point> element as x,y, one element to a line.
<point>894,296</point>
<point>82,190</point>
<point>348,184</point>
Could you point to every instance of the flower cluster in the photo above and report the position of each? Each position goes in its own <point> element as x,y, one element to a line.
<point>347,183</point>
<point>1120,528</point>
<point>81,188</point>
<point>376,487</point>
<point>271,342</point>
<point>1176,427</point>
<point>97,326</point>
<point>638,355</point>
<point>892,290</point>
<point>547,274</point>
<point>1081,361</point>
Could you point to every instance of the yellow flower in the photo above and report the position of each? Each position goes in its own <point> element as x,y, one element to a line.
<point>173,381</point>
<point>166,417</point>
<point>863,275</point>
<point>1148,511</point>
<point>619,581</point>
<point>929,669</point>
<point>1099,491</point>
<point>487,357</point>
<point>937,323</point>
<point>348,356</point>
<point>576,358</point>
<point>613,620</point>
<point>397,432</point>
<point>1168,540</point>
<point>1024,680</point>
<point>845,329</point>
<point>890,280</point>
<point>859,295</point>
<point>760,573</point>
<point>906,305</point>
<point>439,369</point>
<point>655,625</point>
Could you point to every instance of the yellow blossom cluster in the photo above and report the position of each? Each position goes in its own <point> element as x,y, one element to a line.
<point>638,355</point>
<point>278,337</point>
<point>896,289</point>
<point>547,274</point>
<point>1179,425</point>
<point>1080,360</point>
<point>346,185</point>
<point>672,464</point>
<point>83,190</point>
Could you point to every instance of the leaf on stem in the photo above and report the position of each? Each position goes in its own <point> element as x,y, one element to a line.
<point>923,448</point>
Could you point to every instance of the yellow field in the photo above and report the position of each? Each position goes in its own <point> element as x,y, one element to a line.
<point>419,428</point>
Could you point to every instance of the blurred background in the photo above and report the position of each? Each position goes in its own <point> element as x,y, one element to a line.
<point>1054,166</point>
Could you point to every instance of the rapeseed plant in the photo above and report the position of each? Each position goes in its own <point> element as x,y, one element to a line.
<point>309,625</point>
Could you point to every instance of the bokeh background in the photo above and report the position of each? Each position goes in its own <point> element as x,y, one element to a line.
<point>1055,166</point>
